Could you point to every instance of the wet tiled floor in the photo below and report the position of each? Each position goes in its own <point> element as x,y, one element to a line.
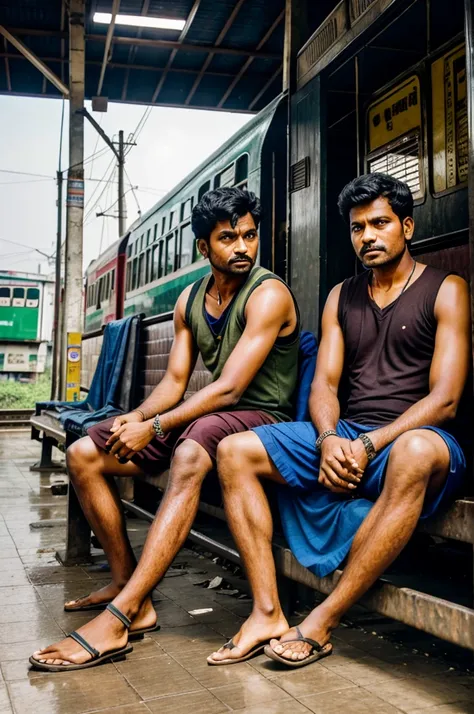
<point>167,672</point>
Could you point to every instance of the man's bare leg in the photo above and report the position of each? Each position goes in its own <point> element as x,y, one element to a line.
<point>167,534</point>
<point>91,471</point>
<point>242,461</point>
<point>418,465</point>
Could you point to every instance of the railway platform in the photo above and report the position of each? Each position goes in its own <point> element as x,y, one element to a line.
<point>167,671</point>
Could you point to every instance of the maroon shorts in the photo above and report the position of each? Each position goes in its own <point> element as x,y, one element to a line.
<point>207,431</point>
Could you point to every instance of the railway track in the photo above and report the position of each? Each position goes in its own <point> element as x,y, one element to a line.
<point>15,418</point>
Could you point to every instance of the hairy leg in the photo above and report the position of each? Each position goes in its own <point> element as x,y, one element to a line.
<point>242,461</point>
<point>418,464</point>
<point>167,534</point>
<point>91,471</point>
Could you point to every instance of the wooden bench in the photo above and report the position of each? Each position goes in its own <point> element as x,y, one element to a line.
<point>441,618</point>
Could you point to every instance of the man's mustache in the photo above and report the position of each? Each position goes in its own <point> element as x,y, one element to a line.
<point>367,248</point>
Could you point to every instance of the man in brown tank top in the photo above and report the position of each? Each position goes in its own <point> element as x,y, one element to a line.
<point>392,364</point>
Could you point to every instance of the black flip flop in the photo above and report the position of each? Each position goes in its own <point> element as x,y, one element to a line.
<point>230,645</point>
<point>318,651</point>
<point>97,658</point>
<point>83,608</point>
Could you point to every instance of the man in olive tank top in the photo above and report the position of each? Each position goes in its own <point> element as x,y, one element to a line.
<point>244,322</point>
<point>392,364</point>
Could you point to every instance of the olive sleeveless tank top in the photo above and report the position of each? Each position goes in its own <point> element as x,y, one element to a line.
<point>388,352</point>
<point>273,387</point>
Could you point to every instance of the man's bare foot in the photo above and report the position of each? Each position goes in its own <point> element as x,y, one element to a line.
<point>258,628</point>
<point>105,633</point>
<point>315,626</point>
<point>96,598</point>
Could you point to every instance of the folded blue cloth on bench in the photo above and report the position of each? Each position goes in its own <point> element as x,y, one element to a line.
<point>102,400</point>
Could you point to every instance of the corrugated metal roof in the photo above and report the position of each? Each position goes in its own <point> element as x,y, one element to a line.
<point>233,71</point>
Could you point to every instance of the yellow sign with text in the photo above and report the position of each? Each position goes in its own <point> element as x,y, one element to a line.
<point>73,367</point>
<point>396,113</point>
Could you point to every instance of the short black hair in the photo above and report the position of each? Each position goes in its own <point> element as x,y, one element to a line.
<point>223,204</point>
<point>369,187</point>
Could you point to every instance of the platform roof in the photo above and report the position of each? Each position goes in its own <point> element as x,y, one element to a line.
<point>227,57</point>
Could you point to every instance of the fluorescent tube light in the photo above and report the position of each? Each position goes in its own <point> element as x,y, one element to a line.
<point>162,23</point>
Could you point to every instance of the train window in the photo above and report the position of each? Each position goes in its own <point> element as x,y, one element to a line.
<point>163,225</point>
<point>170,252</point>
<point>204,189</point>
<point>242,170</point>
<point>186,208</point>
<point>134,273</point>
<point>18,297</point>
<point>155,232</point>
<point>129,276</point>
<point>112,280</point>
<point>142,238</point>
<point>147,266</point>
<point>394,142</point>
<point>148,236</point>
<point>226,177</point>
<point>157,261</point>
<point>450,123</point>
<point>2,360</point>
<point>32,297</point>
<point>129,250</point>
<point>186,245</point>
<point>173,219</point>
<point>141,270</point>
<point>5,297</point>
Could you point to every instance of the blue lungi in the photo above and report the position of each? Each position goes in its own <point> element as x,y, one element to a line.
<point>319,525</point>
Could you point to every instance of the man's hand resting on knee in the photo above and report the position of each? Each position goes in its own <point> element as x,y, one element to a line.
<point>342,464</point>
<point>129,436</point>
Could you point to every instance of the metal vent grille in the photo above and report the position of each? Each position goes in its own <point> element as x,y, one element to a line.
<point>403,162</point>
<point>325,36</point>
<point>358,7</point>
<point>299,175</point>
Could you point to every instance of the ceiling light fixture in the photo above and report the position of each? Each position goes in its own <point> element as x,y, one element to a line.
<point>161,23</point>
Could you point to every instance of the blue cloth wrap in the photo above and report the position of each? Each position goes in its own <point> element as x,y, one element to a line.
<point>319,525</point>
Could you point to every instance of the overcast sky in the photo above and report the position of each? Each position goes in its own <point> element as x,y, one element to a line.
<point>173,142</point>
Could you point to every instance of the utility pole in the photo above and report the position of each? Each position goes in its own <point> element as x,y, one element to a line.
<point>57,293</point>
<point>120,156</point>
<point>121,193</point>
<point>74,203</point>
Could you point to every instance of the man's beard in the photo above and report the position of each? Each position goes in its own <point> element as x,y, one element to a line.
<point>383,260</point>
<point>229,268</point>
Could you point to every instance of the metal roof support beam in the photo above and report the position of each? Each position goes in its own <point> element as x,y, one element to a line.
<point>210,57</point>
<point>35,61</point>
<point>265,87</point>
<point>164,44</point>
<point>121,65</point>
<point>108,44</point>
<point>249,61</point>
<point>183,34</point>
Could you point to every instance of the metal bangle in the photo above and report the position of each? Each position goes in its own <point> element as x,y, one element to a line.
<point>368,446</point>
<point>324,435</point>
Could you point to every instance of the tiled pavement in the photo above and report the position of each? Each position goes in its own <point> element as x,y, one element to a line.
<point>167,672</point>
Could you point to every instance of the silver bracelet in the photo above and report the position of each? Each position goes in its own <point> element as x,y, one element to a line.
<point>157,427</point>
<point>324,435</point>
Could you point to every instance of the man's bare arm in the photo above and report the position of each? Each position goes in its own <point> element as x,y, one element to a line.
<point>338,470</point>
<point>449,367</point>
<point>269,308</point>
<point>170,391</point>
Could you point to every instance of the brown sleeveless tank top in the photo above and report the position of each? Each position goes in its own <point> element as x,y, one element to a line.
<point>388,351</point>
